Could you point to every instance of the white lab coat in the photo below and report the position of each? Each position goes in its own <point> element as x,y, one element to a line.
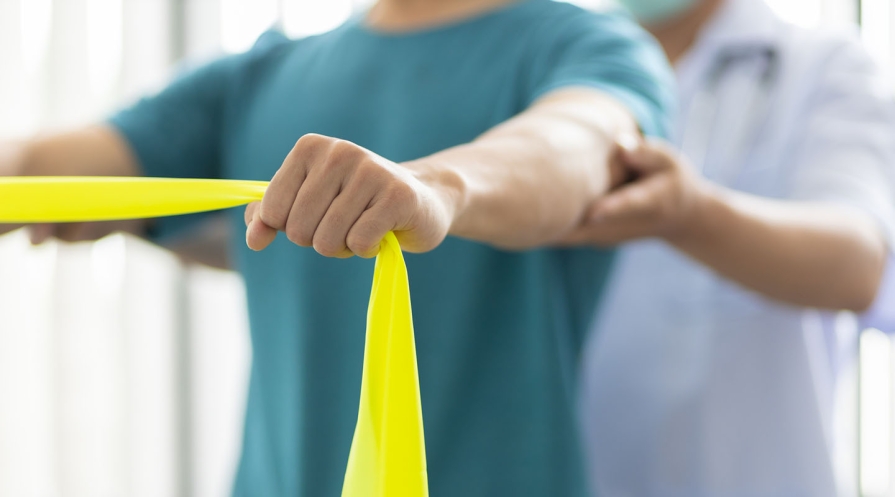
<point>693,386</point>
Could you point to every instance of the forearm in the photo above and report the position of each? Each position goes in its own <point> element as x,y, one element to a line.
<point>528,181</point>
<point>93,151</point>
<point>813,255</point>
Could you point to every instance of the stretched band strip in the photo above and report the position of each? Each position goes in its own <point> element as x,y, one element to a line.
<point>70,199</point>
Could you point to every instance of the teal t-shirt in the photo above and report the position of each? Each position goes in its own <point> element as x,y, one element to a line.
<point>498,333</point>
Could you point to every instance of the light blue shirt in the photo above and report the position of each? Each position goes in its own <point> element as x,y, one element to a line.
<point>694,386</point>
<point>498,334</point>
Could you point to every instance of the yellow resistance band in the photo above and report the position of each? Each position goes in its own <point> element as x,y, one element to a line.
<point>63,199</point>
<point>388,457</point>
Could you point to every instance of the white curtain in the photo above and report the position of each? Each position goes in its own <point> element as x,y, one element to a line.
<point>122,370</point>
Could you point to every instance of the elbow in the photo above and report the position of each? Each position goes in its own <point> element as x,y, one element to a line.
<point>867,268</point>
<point>862,300</point>
<point>867,285</point>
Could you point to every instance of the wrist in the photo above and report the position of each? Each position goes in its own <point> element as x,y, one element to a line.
<point>700,216</point>
<point>446,183</point>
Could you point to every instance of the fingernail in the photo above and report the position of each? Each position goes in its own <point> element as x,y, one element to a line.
<point>248,232</point>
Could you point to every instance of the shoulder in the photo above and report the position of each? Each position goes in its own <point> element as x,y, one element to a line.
<point>269,47</point>
<point>833,70</point>
<point>224,68</point>
<point>606,50</point>
<point>557,27</point>
<point>821,53</point>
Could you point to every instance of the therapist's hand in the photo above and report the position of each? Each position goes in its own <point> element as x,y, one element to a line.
<point>342,199</point>
<point>662,200</point>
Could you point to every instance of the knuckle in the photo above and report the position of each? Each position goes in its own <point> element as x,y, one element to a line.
<point>273,216</point>
<point>250,211</point>
<point>310,141</point>
<point>360,244</point>
<point>343,156</point>
<point>370,172</point>
<point>328,246</point>
<point>400,193</point>
<point>300,236</point>
<point>345,149</point>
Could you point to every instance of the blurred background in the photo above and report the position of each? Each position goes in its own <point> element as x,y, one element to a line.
<point>122,368</point>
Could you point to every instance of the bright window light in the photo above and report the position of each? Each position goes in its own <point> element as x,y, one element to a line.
<point>593,4</point>
<point>805,13</point>
<point>243,21</point>
<point>876,29</point>
<point>309,17</point>
<point>104,39</point>
<point>876,413</point>
<point>35,19</point>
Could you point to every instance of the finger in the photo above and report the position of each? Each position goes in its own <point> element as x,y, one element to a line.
<point>604,234</point>
<point>616,233</point>
<point>629,142</point>
<point>68,232</point>
<point>258,234</point>
<point>79,232</point>
<point>314,199</point>
<point>633,201</point>
<point>6,228</point>
<point>367,233</point>
<point>649,157</point>
<point>285,184</point>
<point>40,233</point>
<point>86,232</point>
<point>331,237</point>
<point>250,212</point>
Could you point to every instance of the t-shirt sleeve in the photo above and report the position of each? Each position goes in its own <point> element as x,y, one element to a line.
<point>607,51</point>
<point>178,132</point>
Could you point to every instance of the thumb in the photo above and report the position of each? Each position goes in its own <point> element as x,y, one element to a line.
<point>258,234</point>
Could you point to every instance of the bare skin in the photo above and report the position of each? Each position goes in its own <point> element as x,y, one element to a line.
<point>806,254</point>
<point>526,182</point>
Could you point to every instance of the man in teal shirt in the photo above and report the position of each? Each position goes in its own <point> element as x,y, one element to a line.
<point>492,122</point>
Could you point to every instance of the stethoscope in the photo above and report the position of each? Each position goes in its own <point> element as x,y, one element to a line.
<point>703,119</point>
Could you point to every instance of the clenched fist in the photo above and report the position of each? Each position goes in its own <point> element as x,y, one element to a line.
<point>342,199</point>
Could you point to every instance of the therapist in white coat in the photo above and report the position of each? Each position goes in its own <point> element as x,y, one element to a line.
<point>708,374</point>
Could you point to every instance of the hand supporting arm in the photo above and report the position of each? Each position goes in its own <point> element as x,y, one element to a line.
<point>808,254</point>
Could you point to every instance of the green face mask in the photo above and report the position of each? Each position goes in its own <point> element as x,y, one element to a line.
<point>650,11</point>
